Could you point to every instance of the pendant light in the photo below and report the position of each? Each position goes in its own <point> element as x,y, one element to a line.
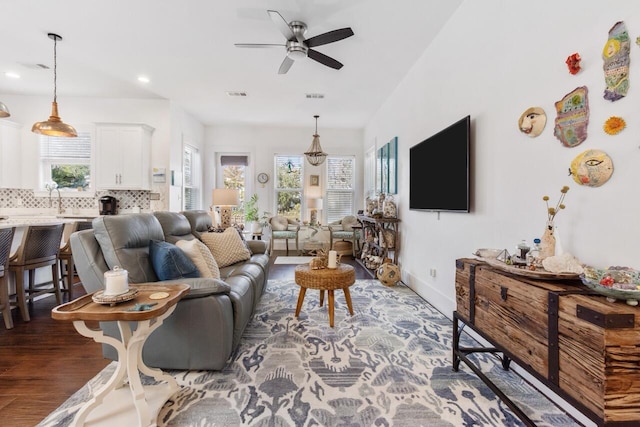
<point>4,110</point>
<point>315,155</point>
<point>54,126</point>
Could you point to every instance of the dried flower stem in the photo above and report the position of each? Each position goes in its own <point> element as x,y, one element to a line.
<point>551,211</point>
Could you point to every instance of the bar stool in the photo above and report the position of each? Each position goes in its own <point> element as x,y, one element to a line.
<point>6,238</point>
<point>39,248</point>
<point>65,257</point>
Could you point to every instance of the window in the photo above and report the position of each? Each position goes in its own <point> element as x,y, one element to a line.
<point>66,161</point>
<point>234,171</point>
<point>339,200</point>
<point>289,185</point>
<point>191,182</point>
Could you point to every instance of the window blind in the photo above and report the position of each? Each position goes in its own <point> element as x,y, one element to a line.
<point>59,148</point>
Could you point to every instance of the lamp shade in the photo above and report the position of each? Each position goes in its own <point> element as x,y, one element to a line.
<point>225,197</point>
<point>315,203</point>
<point>4,110</point>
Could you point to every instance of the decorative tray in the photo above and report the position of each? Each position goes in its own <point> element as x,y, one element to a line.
<point>538,273</point>
<point>100,298</point>
<point>616,283</point>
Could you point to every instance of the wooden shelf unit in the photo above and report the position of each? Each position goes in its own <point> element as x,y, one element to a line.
<point>378,227</point>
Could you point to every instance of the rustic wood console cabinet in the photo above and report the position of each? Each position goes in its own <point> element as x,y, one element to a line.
<point>579,345</point>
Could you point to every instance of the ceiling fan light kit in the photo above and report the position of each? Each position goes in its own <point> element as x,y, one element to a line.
<point>297,47</point>
<point>315,155</point>
<point>54,126</point>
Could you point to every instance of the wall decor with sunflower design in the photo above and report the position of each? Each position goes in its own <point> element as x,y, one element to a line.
<point>614,125</point>
<point>572,117</point>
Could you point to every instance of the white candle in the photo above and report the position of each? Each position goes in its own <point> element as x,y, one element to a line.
<point>333,259</point>
<point>116,282</point>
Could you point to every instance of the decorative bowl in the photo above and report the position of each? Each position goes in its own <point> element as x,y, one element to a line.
<point>623,283</point>
<point>487,253</point>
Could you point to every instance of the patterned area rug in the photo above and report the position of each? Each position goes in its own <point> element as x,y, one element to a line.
<point>389,364</point>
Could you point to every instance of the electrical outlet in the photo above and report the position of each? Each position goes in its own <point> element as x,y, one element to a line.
<point>18,202</point>
<point>432,272</point>
<point>154,196</point>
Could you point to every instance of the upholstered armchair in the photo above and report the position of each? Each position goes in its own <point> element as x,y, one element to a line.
<point>348,229</point>
<point>283,228</point>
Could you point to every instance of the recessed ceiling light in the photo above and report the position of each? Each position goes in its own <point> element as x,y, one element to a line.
<point>236,93</point>
<point>143,79</point>
<point>12,75</point>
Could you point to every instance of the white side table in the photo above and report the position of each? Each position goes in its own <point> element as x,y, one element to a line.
<point>114,404</point>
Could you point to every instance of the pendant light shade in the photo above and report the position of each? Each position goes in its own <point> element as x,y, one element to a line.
<point>54,126</point>
<point>4,110</point>
<point>315,155</point>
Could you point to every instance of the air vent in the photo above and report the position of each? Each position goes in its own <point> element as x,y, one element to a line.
<point>236,93</point>
<point>314,96</point>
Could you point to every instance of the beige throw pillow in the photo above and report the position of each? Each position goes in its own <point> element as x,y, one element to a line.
<point>227,247</point>
<point>201,256</point>
<point>279,223</point>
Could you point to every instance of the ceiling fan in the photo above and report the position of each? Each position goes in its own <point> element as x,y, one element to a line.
<point>297,46</point>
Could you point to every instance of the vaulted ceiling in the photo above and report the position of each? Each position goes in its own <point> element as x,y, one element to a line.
<point>186,49</point>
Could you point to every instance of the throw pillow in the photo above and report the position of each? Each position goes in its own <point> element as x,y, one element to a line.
<point>201,257</point>
<point>227,248</point>
<point>279,223</point>
<point>170,262</point>
<point>348,222</point>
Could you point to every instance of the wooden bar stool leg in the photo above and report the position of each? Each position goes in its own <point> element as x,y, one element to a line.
<point>300,300</point>
<point>56,283</point>
<point>70,268</point>
<point>4,302</point>
<point>20,295</point>
<point>321,298</point>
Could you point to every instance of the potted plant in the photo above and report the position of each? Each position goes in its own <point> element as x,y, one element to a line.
<point>251,215</point>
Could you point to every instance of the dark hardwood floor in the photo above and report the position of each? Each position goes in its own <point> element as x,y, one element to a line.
<point>45,361</point>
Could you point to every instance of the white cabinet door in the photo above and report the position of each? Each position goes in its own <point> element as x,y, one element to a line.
<point>10,154</point>
<point>123,156</point>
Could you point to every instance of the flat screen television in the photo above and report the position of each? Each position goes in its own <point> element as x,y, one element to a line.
<point>439,170</point>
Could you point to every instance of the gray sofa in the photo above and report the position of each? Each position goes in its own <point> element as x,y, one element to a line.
<point>207,325</point>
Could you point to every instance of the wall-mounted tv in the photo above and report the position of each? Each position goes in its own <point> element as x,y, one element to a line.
<point>439,170</point>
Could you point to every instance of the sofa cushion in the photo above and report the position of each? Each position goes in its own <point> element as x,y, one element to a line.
<point>170,262</point>
<point>279,223</point>
<point>201,257</point>
<point>124,241</point>
<point>227,247</point>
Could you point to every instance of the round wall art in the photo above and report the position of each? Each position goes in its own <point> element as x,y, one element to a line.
<point>532,121</point>
<point>591,168</point>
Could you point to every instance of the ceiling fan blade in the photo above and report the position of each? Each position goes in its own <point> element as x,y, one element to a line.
<point>324,59</point>
<point>282,25</point>
<point>286,64</point>
<point>259,45</point>
<point>330,37</point>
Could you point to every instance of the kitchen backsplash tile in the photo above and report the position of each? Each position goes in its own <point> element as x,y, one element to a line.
<point>26,199</point>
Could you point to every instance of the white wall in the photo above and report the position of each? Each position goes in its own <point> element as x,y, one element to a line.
<point>263,142</point>
<point>494,68</point>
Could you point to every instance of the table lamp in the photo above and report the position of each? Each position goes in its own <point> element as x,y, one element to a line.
<point>314,206</point>
<point>225,198</point>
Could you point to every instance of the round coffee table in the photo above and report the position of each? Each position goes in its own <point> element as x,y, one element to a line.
<point>326,279</point>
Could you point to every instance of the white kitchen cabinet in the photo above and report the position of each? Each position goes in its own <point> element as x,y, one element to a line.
<point>123,153</point>
<point>10,154</point>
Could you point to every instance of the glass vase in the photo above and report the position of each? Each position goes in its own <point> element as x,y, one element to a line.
<point>548,241</point>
